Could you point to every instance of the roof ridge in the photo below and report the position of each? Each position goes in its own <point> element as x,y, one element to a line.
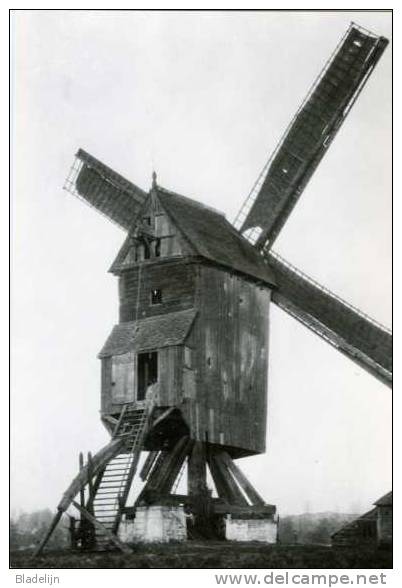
<point>192,201</point>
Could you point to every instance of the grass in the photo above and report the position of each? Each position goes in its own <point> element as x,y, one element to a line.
<point>212,555</point>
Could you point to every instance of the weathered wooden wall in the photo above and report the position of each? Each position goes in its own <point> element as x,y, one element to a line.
<point>176,279</point>
<point>226,386</point>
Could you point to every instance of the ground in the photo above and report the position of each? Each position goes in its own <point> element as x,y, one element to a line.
<point>223,554</point>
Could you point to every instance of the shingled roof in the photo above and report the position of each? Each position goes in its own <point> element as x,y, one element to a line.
<point>150,333</point>
<point>385,500</point>
<point>213,237</point>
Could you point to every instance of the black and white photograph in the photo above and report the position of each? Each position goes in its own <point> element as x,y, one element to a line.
<point>201,291</point>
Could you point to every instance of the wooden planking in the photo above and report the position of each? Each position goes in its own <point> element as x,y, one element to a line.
<point>123,378</point>
<point>230,337</point>
<point>176,280</point>
<point>106,375</point>
<point>170,376</point>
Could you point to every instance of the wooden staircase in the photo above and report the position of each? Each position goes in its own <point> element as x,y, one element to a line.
<point>115,484</point>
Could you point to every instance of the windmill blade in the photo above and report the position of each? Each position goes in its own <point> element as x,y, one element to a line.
<point>353,333</point>
<point>104,189</point>
<point>308,136</point>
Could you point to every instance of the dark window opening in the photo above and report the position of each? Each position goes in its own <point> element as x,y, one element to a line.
<point>147,251</point>
<point>147,372</point>
<point>146,220</point>
<point>157,248</point>
<point>156,296</point>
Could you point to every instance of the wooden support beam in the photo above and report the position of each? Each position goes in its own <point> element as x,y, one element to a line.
<point>218,506</point>
<point>90,483</point>
<point>95,488</point>
<point>249,510</point>
<point>49,533</point>
<point>109,419</point>
<point>162,477</point>
<point>224,482</point>
<point>241,479</point>
<point>122,546</point>
<point>99,462</point>
<point>148,464</point>
<point>120,419</point>
<point>197,470</point>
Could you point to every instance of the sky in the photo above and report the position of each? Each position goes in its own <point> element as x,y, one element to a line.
<point>202,98</point>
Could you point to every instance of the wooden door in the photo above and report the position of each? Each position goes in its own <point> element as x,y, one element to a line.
<point>123,378</point>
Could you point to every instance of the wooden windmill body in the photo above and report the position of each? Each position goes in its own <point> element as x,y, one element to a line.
<point>184,372</point>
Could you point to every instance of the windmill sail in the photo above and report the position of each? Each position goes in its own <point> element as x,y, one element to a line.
<point>353,333</point>
<point>104,189</point>
<point>308,136</point>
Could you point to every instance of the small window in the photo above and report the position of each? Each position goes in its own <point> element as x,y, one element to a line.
<point>156,296</point>
<point>146,220</point>
<point>157,248</point>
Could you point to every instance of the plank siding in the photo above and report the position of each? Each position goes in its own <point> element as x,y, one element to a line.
<point>231,339</point>
<point>175,280</point>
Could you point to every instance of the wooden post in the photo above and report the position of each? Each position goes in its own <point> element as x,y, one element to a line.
<point>197,470</point>
<point>83,521</point>
<point>73,532</point>
<point>89,538</point>
<point>90,483</point>
<point>124,548</point>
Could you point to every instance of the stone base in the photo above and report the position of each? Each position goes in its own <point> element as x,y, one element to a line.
<point>154,524</point>
<point>264,530</point>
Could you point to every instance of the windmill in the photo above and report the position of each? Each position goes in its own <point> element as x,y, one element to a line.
<point>184,372</point>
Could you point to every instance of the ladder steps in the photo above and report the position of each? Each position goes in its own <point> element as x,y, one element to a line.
<point>113,489</point>
<point>105,500</point>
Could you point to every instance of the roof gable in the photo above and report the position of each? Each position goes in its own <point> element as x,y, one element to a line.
<point>385,500</point>
<point>151,208</point>
<point>213,237</point>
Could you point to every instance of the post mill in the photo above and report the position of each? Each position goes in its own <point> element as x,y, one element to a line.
<point>184,373</point>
